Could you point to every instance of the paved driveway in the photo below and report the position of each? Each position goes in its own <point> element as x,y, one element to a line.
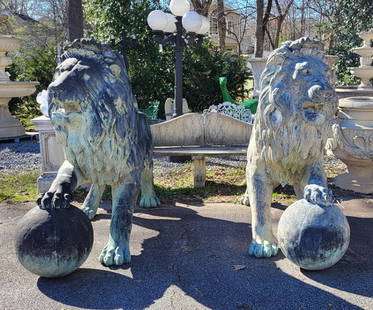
<point>183,257</point>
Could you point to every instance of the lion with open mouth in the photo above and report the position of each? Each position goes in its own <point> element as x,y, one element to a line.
<point>291,126</point>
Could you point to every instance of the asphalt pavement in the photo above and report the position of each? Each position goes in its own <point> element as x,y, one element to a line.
<point>193,257</point>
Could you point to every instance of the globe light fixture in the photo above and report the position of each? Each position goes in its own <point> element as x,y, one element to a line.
<point>171,23</point>
<point>179,7</point>
<point>192,21</point>
<point>157,20</point>
<point>205,27</point>
<point>182,28</point>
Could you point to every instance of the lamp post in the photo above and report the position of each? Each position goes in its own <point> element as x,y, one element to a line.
<point>182,28</point>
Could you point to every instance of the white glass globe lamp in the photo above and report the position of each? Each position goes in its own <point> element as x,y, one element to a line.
<point>192,21</point>
<point>205,27</point>
<point>171,23</point>
<point>157,20</point>
<point>179,7</point>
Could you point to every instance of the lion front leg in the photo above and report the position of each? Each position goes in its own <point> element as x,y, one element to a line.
<point>314,185</point>
<point>148,197</point>
<point>259,191</point>
<point>117,251</point>
<point>92,201</point>
<point>60,192</point>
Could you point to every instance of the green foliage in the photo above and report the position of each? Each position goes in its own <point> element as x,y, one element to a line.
<point>203,66</point>
<point>36,64</point>
<point>152,70</point>
<point>355,16</point>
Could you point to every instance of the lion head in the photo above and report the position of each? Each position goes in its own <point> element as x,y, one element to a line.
<point>296,103</point>
<point>93,109</point>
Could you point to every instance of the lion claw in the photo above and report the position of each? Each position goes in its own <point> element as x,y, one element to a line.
<point>149,201</point>
<point>54,199</point>
<point>89,212</point>
<point>265,249</point>
<point>318,194</point>
<point>115,254</point>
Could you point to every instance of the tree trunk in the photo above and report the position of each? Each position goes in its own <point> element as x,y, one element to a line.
<point>222,25</point>
<point>262,18</point>
<point>259,33</point>
<point>75,19</point>
<point>280,21</point>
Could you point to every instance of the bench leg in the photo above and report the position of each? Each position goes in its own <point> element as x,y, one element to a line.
<point>199,163</point>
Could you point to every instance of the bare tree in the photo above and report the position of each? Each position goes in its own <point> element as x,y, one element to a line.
<point>262,17</point>
<point>282,12</point>
<point>202,6</point>
<point>328,11</point>
<point>222,24</point>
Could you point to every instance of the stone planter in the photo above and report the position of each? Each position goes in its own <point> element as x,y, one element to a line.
<point>9,126</point>
<point>51,152</point>
<point>257,66</point>
<point>352,143</point>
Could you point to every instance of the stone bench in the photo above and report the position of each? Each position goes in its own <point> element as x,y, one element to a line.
<point>193,134</point>
<point>199,136</point>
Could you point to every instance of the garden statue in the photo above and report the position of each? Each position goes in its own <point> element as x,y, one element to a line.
<point>106,140</point>
<point>291,126</point>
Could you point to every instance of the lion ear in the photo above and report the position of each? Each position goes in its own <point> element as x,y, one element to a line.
<point>116,70</point>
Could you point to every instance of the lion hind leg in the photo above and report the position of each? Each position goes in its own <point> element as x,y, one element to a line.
<point>148,198</point>
<point>259,191</point>
<point>117,251</point>
<point>92,201</point>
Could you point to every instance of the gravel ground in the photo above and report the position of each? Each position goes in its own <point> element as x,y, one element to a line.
<point>24,155</point>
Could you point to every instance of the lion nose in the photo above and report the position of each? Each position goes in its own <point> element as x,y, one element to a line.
<point>320,92</point>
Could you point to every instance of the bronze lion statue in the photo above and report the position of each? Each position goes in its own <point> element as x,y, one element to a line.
<point>106,140</point>
<point>291,126</point>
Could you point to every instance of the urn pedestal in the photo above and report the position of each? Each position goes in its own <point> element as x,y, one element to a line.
<point>257,66</point>
<point>51,152</point>
<point>352,143</point>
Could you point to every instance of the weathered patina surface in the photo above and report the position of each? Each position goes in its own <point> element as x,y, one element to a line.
<point>106,140</point>
<point>291,126</point>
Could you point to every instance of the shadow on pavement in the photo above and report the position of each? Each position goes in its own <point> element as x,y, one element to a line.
<point>357,264</point>
<point>196,253</point>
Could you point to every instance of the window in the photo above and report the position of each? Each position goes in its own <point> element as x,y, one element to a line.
<point>213,25</point>
<point>230,27</point>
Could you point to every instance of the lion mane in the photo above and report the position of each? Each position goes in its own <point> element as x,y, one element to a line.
<point>92,95</point>
<point>281,135</point>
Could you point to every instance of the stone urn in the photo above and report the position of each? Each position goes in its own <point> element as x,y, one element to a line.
<point>352,143</point>
<point>257,66</point>
<point>9,126</point>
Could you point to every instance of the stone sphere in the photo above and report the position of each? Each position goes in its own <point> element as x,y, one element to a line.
<point>55,242</point>
<point>313,236</point>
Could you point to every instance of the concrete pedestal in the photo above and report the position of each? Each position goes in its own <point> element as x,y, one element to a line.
<point>52,153</point>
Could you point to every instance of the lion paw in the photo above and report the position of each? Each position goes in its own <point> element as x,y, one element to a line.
<point>90,212</point>
<point>149,201</point>
<point>262,249</point>
<point>244,200</point>
<point>318,194</point>
<point>54,199</point>
<point>115,254</point>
